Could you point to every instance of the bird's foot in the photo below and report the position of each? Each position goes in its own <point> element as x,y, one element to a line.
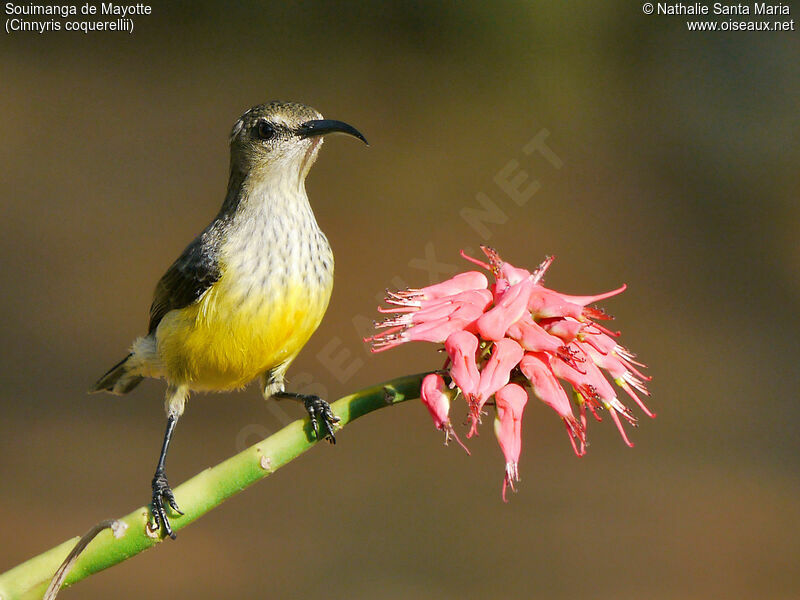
<point>319,410</point>
<point>161,492</point>
<point>323,421</point>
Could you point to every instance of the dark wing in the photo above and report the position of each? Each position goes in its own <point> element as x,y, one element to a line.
<point>196,270</point>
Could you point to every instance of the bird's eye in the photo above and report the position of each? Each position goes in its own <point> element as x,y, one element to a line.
<point>265,130</point>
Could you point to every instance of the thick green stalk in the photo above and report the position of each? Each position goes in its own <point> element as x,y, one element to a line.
<point>198,495</point>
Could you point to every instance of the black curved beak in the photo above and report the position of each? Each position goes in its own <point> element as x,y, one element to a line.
<point>324,126</point>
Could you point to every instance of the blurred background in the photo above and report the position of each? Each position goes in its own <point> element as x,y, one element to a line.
<point>678,175</point>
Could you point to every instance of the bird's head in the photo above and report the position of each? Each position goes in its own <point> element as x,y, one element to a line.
<point>281,138</point>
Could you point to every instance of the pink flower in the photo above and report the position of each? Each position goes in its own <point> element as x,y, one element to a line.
<point>511,400</point>
<point>429,319</point>
<point>436,397</point>
<point>594,390</point>
<point>619,363</point>
<point>461,347</point>
<point>567,330</point>
<point>544,385</point>
<point>471,280</point>
<point>496,373</point>
<point>511,335</point>
<point>509,309</point>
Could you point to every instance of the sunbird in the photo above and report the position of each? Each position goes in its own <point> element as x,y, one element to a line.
<point>247,293</point>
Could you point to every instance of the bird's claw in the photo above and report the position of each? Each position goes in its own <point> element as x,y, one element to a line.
<point>319,410</point>
<point>162,491</point>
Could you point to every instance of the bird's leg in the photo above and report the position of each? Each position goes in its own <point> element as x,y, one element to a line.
<point>176,399</point>
<point>318,410</point>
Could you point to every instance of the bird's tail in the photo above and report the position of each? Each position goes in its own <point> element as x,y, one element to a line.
<point>118,379</point>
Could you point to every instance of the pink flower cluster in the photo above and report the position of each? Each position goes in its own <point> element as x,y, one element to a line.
<point>508,336</point>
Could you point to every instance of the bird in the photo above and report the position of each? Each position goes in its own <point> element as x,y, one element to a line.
<point>247,293</point>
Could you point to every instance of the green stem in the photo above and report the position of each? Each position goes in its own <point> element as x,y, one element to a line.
<point>203,492</point>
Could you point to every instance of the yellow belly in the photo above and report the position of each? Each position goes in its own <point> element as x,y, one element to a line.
<point>231,336</point>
